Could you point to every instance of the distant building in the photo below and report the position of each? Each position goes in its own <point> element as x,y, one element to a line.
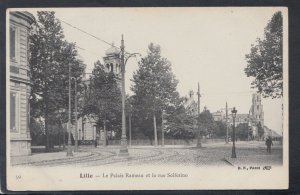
<point>255,115</point>
<point>88,129</point>
<point>240,118</point>
<point>256,111</point>
<point>271,133</point>
<point>112,62</point>
<point>190,104</point>
<point>219,116</point>
<point>19,85</point>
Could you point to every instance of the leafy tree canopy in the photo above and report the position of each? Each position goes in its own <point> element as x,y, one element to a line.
<point>104,99</point>
<point>206,123</point>
<point>49,59</point>
<point>154,87</point>
<point>265,63</point>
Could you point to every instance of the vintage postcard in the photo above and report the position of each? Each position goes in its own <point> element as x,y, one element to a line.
<point>147,98</point>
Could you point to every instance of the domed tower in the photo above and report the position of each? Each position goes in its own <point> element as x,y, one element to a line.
<point>112,62</point>
<point>257,112</point>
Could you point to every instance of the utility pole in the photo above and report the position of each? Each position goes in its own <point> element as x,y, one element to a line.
<point>69,150</point>
<point>226,123</point>
<point>64,138</point>
<point>76,120</point>
<point>199,144</point>
<point>162,129</point>
<point>123,149</point>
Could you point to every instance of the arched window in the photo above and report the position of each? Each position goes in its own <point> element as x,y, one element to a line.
<point>107,66</point>
<point>112,67</point>
<point>117,68</point>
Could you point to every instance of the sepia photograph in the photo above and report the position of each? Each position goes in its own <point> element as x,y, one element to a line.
<point>147,98</point>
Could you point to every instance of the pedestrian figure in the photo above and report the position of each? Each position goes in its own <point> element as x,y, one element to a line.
<point>269,143</point>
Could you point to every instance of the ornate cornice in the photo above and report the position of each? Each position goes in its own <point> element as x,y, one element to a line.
<point>24,15</point>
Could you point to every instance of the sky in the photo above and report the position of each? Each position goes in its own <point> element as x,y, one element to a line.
<point>205,45</point>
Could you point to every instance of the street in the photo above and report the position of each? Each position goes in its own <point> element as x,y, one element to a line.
<point>213,154</point>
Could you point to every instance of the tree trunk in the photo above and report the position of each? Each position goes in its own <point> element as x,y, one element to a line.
<point>155,130</point>
<point>104,133</point>
<point>47,129</point>
<point>199,144</point>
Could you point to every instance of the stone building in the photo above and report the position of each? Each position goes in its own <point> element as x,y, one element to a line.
<point>240,118</point>
<point>19,84</point>
<point>219,116</point>
<point>190,104</point>
<point>112,62</point>
<point>255,115</point>
<point>87,129</point>
<point>256,111</point>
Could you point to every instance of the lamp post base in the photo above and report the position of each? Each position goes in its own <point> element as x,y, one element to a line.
<point>69,151</point>
<point>123,150</point>
<point>76,147</point>
<point>199,140</point>
<point>233,154</point>
<point>199,145</point>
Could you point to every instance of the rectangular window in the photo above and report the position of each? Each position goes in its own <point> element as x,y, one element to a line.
<point>13,112</point>
<point>12,43</point>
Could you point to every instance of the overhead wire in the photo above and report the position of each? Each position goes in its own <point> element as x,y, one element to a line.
<point>83,31</point>
<point>86,50</point>
<point>89,34</point>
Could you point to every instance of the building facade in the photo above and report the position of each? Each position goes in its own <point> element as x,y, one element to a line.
<point>190,104</point>
<point>112,62</point>
<point>255,115</point>
<point>88,130</point>
<point>256,111</point>
<point>19,85</point>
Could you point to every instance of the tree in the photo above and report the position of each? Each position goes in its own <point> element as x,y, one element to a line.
<point>242,131</point>
<point>37,130</point>
<point>104,100</point>
<point>206,123</point>
<point>264,62</point>
<point>179,123</point>
<point>260,130</point>
<point>221,128</point>
<point>154,86</point>
<point>49,59</point>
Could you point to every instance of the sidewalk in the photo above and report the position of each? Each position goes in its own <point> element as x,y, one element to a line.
<point>261,160</point>
<point>43,157</point>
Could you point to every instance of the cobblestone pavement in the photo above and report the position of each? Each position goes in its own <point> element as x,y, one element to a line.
<point>217,154</point>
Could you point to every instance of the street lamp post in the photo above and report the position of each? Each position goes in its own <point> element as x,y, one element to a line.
<point>233,111</point>
<point>130,114</point>
<point>249,128</point>
<point>124,149</point>
<point>69,150</point>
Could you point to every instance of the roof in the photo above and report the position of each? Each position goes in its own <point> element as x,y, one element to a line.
<point>24,15</point>
<point>112,51</point>
<point>242,115</point>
